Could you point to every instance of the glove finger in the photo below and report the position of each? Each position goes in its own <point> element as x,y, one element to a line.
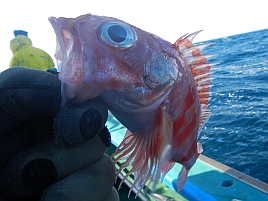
<point>12,144</point>
<point>3,197</point>
<point>92,183</point>
<point>8,124</point>
<point>31,171</point>
<point>77,123</point>
<point>29,94</point>
<point>113,196</point>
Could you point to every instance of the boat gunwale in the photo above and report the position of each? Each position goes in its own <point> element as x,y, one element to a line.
<point>235,173</point>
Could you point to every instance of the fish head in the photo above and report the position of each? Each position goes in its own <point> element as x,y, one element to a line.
<point>99,54</point>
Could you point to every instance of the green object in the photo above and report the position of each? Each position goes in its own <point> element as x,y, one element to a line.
<point>24,54</point>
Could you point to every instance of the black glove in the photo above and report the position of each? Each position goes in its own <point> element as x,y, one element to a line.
<point>51,154</point>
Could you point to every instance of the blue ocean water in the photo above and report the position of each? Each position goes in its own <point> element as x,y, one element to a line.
<point>236,134</point>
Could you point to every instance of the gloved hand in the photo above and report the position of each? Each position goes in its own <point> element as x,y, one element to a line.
<point>47,153</point>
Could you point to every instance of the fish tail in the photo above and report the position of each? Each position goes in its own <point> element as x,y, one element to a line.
<point>182,177</point>
<point>147,152</point>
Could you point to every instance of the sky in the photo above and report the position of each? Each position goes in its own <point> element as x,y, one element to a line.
<point>168,19</point>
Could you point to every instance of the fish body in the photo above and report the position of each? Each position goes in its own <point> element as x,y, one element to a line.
<point>158,90</point>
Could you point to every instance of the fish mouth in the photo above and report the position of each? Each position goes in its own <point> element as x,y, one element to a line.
<point>68,52</point>
<point>60,53</point>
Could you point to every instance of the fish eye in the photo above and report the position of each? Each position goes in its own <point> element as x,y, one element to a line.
<point>117,34</point>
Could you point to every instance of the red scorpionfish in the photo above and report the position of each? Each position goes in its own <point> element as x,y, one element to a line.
<point>159,91</point>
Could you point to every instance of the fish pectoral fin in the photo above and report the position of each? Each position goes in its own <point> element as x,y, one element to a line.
<point>166,167</point>
<point>140,181</point>
<point>128,133</point>
<point>182,177</point>
<point>163,160</point>
<point>147,149</point>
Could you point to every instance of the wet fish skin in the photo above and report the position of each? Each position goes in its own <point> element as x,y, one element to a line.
<point>158,90</point>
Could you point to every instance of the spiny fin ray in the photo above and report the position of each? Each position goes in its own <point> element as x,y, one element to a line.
<point>199,67</point>
<point>147,152</point>
<point>185,41</point>
<point>195,50</point>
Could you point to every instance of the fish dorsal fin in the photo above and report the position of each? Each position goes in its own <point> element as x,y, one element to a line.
<point>197,63</point>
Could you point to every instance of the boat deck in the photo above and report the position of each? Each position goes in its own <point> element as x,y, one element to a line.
<point>208,180</point>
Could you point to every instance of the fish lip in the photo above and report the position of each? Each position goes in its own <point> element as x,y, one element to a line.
<point>55,25</point>
<point>57,29</point>
<point>71,68</point>
<point>53,21</point>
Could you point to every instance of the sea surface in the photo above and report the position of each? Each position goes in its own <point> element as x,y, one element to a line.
<point>236,134</point>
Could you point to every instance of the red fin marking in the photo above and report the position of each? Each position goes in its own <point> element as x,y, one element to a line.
<point>203,89</point>
<point>137,157</point>
<point>145,149</point>
<point>126,151</point>
<point>128,133</point>
<point>176,44</point>
<point>189,123</point>
<point>166,167</point>
<point>185,41</point>
<point>199,68</point>
<point>204,97</point>
<point>198,60</point>
<point>204,75</point>
<point>190,153</point>
<point>195,50</point>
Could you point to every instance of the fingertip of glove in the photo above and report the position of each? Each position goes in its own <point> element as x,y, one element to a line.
<point>77,123</point>
<point>90,123</point>
<point>105,136</point>
<point>38,174</point>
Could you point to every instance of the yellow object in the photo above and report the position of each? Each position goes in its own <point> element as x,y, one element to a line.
<point>24,54</point>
